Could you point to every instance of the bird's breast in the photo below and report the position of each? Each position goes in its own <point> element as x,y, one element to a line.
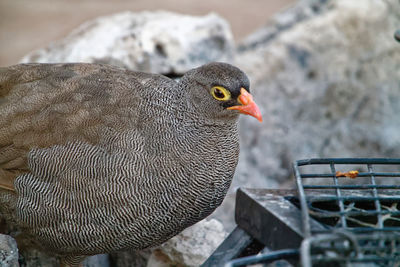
<point>129,191</point>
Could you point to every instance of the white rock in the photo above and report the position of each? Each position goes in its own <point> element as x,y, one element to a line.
<point>8,251</point>
<point>160,42</point>
<point>191,247</point>
<point>328,86</point>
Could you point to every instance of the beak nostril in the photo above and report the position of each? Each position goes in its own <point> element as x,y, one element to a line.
<point>248,106</point>
<point>245,97</point>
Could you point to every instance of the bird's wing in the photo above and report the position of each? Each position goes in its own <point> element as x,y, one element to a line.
<point>43,105</point>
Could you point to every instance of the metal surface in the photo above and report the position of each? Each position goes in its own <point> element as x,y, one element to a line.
<point>231,248</point>
<point>264,217</point>
<point>284,254</point>
<point>270,217</point>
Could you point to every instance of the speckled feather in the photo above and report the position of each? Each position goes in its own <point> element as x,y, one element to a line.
<point>95,158</point>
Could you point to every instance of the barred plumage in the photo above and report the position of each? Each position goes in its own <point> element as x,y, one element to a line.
<point>95,158</point>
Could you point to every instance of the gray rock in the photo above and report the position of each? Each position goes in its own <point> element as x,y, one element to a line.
<point>8,251</point>
<point>328,86</point>
<point>101,260</point>
<point>160,42</point>
<point>301,11</point>
<point>191,247</point>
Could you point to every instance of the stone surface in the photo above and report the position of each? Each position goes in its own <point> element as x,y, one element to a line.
<point>160,42</point>
<point>328,86</point>
<point>101,260</point>
<point>8,251</point>
<point>191,247</point>
<point>301,11</point>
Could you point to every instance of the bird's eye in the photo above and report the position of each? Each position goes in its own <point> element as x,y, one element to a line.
<point>220,93</point>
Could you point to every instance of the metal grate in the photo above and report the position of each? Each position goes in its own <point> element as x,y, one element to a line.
<point>360,213</point>
<point>336,221</point>
<point>369,202</point>
<point>345,249</point>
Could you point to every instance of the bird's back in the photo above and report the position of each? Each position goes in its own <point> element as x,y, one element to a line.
<point>42,105</point>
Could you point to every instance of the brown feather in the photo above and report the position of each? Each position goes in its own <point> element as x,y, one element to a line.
<point>42,105</point>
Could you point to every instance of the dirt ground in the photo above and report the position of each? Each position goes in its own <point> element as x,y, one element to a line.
<point>26,25</point>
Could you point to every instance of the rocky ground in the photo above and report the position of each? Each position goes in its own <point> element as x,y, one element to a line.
<point>325,74</point>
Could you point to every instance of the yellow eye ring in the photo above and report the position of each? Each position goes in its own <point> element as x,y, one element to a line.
<point>220,93</point>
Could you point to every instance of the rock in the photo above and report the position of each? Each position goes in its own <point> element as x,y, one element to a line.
<point>8,251</point>
<point>160,42</point>
<point>101,260</point>
<point>327,86</point>
<point>191,247</point>
<point>300,11</point>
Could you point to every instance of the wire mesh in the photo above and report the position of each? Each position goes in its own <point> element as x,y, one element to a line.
<point>345,249</point>
<point>365,203</point>
<point>357,202</point>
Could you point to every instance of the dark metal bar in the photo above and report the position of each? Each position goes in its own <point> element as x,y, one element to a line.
<point>361,174</point>
<point>327,214</point>
<point>265,216</point>
<point>265,211</point>
<point>363,230</point>
<point>353,198</point>
<point>237,241</point>
<point>364,259</point>
<point>374,248</point>
<point>265,258</point>
<point>361,186</point>
<point>305,217</point>
<point>375,194</point>
<point>339,195</point>
<point>379,249</point>
<point>361,161</point>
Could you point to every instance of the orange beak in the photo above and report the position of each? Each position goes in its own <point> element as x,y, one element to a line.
<point>248,106</point>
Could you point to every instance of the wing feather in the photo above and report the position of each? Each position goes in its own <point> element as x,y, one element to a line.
<point>42,105</point>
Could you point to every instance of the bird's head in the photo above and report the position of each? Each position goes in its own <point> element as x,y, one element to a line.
<point>220,90</point>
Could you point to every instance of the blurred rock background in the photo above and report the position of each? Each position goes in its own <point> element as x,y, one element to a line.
<point>324,72</point>
<point>27,25</point>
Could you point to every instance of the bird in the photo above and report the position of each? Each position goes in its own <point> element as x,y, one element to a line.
<point>95,158</point>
